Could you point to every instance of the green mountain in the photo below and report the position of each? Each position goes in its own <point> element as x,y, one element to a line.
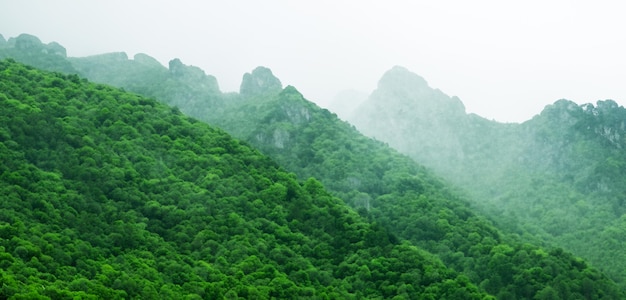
<point>30,49</point>
<point>107,194</point>
<point>559,176</point>
<point>388,189</point>
<point>393,190</point>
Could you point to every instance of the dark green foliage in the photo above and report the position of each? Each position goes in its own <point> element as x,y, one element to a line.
<point>382,185</point>
<point>390,190</point>
<point>108,195</point>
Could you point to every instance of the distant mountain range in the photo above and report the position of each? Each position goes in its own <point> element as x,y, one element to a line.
<point>559,176</point>
<point>490,161</point>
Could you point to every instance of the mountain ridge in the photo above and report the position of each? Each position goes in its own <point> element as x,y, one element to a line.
<point>107,194</point>
<point>517,171</point>
<point>322,150</point>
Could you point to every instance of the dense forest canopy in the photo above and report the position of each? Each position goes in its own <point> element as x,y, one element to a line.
<point>407,204</point>
<point>109,194</point>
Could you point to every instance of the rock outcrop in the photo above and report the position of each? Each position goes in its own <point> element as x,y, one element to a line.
<point>192,76</point>
<point>30,43</point>
<point>260,81</point>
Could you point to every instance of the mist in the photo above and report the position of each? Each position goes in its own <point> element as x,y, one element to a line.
<point>504,61</point>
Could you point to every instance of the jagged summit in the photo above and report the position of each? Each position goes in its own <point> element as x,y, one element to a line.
<point>261,80</point>
<point>192,75</point>
<point>404,105</point>
<point>30,43</point>
<point>401,88</point>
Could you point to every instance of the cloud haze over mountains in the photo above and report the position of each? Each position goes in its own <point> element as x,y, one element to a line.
<point>504,61</point>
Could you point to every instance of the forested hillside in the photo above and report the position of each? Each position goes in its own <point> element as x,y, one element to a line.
<point>106,194</point>
<point>391,189</point>
<point>388,189</point>
<point>558,177</point>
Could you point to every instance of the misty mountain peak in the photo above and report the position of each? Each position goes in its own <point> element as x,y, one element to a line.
<point>261,80</point>
<point>2,40</point>
<point>401,88</point>
<point>400,76</point>
<point>26,41</point>
<point>404,105</point>
<point>177,68</point>
<point>30,43</point>
<point>562,111</point>
<point>192,76</point>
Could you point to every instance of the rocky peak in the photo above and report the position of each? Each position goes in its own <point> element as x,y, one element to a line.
<point>2,41</point>
<point>260,81</point>
<point>400,88</point>
<point>192,76</point>
<point>562,113</point>
<point>30,43</point>
<point>26,42</point>
<point>415,119</point>
<point>401,77</point>
<point>295,107</point>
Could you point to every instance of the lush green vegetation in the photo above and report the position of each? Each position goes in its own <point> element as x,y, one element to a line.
<point>107,194</point>
<point>577,176</point>
<point>388,189</point>
<point>385,187</point>
<point>557,178</point>
<point>394,191</point>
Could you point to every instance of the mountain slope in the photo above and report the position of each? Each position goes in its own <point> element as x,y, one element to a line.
<point>557,177</point>
<point>393,190</point>
<point>107,194</point>
<point>389,189</point>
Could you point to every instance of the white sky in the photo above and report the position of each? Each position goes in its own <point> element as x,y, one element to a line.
<point>505,60</point>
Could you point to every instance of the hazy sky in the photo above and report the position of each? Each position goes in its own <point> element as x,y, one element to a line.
<point>505,60</point>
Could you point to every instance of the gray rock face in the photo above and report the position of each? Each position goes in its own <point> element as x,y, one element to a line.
<point>260,81</point>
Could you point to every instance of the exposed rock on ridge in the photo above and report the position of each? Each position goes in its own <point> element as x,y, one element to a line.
<point>261,80</point>
<point>192,76</point>
<point>27,42</point>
